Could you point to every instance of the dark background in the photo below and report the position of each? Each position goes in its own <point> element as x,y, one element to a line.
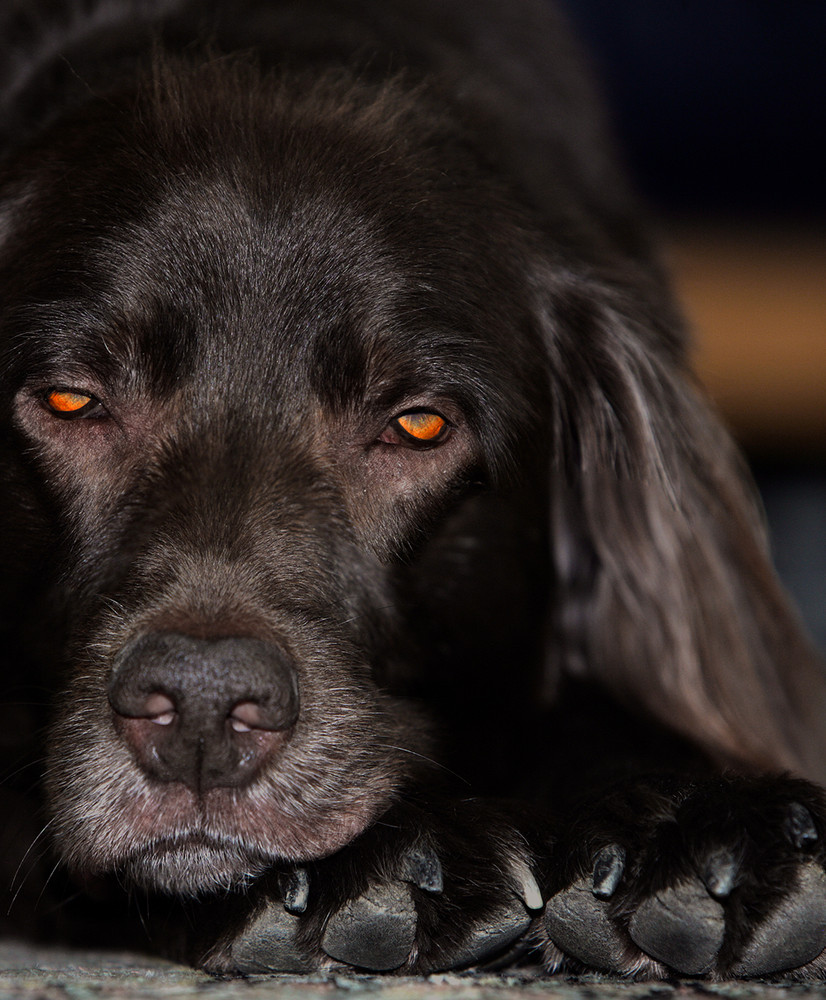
<point>719,107</point>
<point>720,104</point>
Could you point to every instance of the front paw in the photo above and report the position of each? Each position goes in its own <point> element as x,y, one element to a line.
<point>724,879</point>
<point>419,892</point>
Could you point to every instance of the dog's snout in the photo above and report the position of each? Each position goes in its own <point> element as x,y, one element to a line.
<point>203,712</point>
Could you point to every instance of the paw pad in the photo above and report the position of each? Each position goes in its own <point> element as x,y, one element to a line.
<point>680,926</point>
<point>492,936</point>
<point>267,944</point>
<point>577,922</point>
<point>794,934</point>
<point>375,931</point>
<point>577,919</point>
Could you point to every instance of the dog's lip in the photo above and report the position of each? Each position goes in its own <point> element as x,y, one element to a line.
<point>220,848</point>
<point>195,838</point>
<point>192,864</point>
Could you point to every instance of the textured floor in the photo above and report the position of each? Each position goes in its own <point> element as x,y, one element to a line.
<point>56,974</point>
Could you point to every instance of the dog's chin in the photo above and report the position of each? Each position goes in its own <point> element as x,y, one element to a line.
<point>194,866</point>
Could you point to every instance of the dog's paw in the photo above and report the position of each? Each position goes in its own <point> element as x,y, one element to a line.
<point>725,879</point>
<point>413,894</point>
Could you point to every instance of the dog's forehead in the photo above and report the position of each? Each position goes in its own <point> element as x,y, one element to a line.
<point>304,255</point>
<point>232,286</point>
<point>303,288</point>
<point>246,274</point>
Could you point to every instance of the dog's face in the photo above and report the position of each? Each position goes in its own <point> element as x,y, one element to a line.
<point>258,350</point>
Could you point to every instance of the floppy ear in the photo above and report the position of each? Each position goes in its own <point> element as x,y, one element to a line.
<point>665,590</point>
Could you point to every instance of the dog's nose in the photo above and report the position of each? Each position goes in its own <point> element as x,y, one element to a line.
<point>204,712</point>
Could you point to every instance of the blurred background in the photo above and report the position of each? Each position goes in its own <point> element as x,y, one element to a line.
<point>720,109</point>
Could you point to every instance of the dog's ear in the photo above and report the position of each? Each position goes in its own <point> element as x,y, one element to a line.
<point>665,590</point>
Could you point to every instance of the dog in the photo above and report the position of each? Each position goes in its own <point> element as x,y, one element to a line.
<point>402,603</point>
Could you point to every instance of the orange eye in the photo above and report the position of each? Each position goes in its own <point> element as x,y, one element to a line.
<point>68,402</point>
<point>424,427</point>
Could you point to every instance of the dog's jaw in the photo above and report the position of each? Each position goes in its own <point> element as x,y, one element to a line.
<point>167,838</point>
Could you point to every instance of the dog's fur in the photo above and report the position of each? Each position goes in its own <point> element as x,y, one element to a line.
<point>256,235</point>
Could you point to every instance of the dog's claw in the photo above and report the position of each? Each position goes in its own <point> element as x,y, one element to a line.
<point>422,868</point>
<point>526,886</point>
<point>375,931</point>
<point>609,866</point>
<point>799,826</point>
<point>295,888</point>
<point>720,873</point>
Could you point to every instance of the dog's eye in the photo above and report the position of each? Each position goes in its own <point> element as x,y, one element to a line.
<point>420,427</point>
<point>70,403</point>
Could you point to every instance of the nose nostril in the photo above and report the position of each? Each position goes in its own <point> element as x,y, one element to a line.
<point>203,712</point>
<point>159,708</point>
<point>246,716</point>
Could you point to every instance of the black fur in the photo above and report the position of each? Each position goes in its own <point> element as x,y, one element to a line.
<point>280,630</point>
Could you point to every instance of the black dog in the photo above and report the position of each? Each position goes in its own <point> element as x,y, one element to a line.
<point>352,467</point>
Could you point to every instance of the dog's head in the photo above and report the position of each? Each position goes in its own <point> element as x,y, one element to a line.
<point>262,339</point>
<point>285,367</point>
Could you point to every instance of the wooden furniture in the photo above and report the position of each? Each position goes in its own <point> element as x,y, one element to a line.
<point>756,301</point>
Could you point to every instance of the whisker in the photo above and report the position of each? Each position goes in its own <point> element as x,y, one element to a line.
<point>19,770</point>
<point>428,760</point>
<point>40,855</point>
<point>59,904</point>
<point>28,852</point>
<point>49,878</point>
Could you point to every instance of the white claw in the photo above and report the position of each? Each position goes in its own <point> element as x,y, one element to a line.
<point>526,885</point>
